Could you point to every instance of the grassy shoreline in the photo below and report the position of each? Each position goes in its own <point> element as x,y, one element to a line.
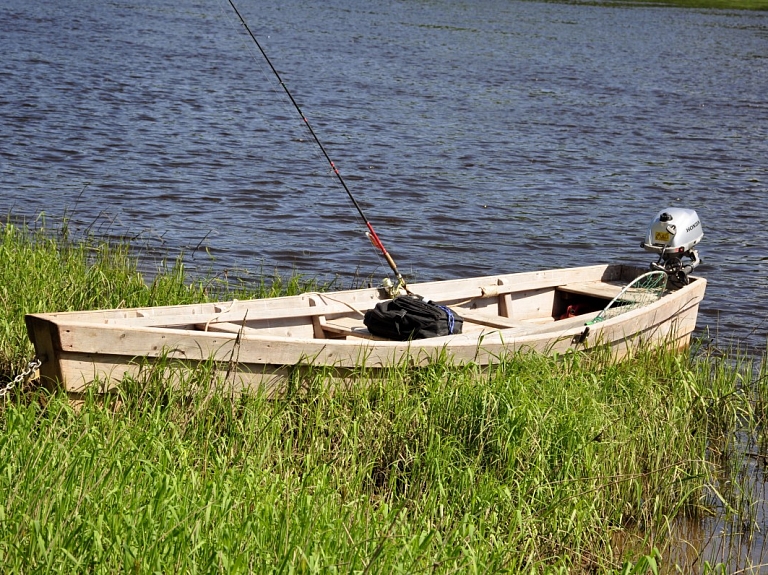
<point>697,4</point>
<point>571,464</point>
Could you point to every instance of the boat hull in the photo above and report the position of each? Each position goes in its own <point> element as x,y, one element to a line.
<point>264,343</point>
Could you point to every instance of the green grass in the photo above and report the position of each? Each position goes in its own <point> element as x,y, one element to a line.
<point>571,464</point>
<point>711,4</point>
<point>700,4</point>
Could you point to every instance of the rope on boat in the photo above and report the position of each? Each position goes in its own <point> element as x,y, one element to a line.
<point>218,315</point>
<point>323,296</point>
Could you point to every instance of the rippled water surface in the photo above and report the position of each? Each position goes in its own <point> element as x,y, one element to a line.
<point>479,137</point>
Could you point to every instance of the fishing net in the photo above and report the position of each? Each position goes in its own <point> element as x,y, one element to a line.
<point>640,292</point>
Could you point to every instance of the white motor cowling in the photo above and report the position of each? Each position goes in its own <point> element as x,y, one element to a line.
<point>673,234</point>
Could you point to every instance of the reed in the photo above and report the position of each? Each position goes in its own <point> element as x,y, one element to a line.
<point>570,464</point>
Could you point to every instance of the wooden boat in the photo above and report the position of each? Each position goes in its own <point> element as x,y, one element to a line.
<point>262,342</point>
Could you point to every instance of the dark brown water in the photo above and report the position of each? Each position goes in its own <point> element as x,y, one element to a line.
<point>479,137</point>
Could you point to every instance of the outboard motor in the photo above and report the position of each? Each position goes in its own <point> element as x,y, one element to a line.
<point>673,235</point>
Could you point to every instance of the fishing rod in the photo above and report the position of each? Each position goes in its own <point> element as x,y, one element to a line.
<point>371,233</point>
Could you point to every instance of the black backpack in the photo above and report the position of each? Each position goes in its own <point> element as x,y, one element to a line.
<point>410,317</point>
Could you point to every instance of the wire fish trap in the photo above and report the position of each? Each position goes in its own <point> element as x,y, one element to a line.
<point>640,292</point>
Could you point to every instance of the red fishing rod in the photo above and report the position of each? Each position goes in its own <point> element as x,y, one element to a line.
<point>371,233</point>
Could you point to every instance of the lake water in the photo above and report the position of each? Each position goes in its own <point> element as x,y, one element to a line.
<point>479,137</point>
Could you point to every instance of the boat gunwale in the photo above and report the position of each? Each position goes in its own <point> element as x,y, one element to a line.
<point>374,295</point>
<point>520,334</point>
<point>77,351</point>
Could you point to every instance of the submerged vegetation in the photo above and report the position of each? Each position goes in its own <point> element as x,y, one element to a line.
<point>572,464</point>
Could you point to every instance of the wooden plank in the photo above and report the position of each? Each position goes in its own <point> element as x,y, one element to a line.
<point>196,345</point>
<point>285,327</point>
<point>598,289</point>
<point>317,321</point>
<point>80,371</point>
<point>458,290</point>
<point>44,337</point>
<point>490,320</point>
<point>353,327</point>
<point>533,305</point>
<point>238,316</point>
<point>228,327</point>
<point>348,326</point>
<point>274,309</point>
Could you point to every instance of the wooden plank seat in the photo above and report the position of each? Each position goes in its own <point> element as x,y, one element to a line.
<point>599,289</point>
<point>489,320</point>
<point>346,326</point>
<point>228,327</point>
<point>354,327</point>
